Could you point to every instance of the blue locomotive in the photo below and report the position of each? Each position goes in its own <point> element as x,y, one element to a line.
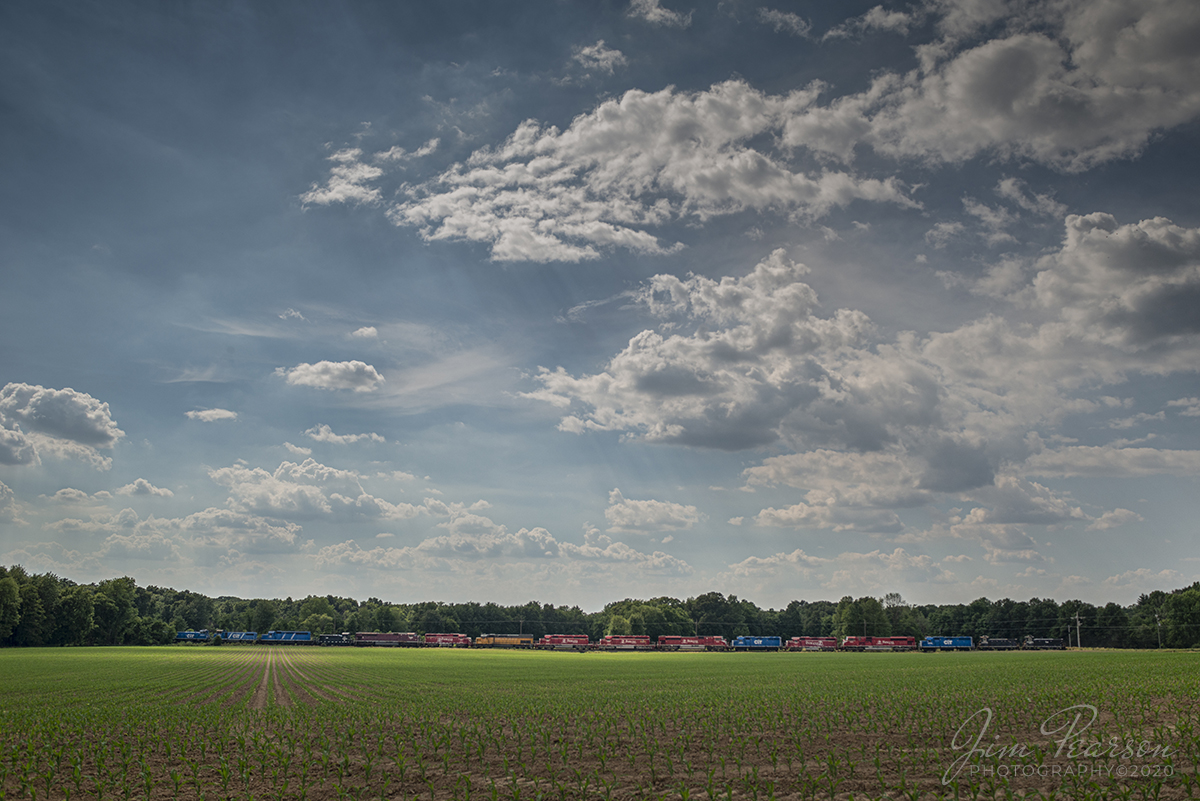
<point>286,637</point>
<point>744,643</point>
<point>192,636</point>
<point>930,644</point>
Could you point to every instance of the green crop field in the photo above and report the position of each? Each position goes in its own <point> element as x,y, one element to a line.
<point>324,723</point>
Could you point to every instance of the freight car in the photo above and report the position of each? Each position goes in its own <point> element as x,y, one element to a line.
<point>879,644</point>
<point>812,644</point>
<point>930,644</point>
<point>744,643</point>
<point>672,642</point>
<point>503,641</point>
<point>287,638</point>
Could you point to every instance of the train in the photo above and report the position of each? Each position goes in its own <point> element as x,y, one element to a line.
<point>623,642</point>
<point>879,644</point>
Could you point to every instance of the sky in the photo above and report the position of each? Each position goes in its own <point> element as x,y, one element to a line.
<point>576,302</point>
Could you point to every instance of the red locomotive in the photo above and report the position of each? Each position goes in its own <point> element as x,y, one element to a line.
<point>563,642</point>
<point>673,642</point>
<point>879,644</point>
<point>625,642</point>
<point>812,644</point>
<point>448,640</point>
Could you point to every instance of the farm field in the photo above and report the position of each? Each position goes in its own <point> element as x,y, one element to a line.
<point>328,723</point>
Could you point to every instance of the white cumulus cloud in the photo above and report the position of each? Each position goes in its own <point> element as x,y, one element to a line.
<point>599,57</point>
<point>36,420</point>
<point>211,415</point>
<point>145,488</point>
<point>348,181</point>
<point>653,12</point>
<point>629,516</point>
<point>353,375</point>
<point>785,22</point>
<point>635,163</point>
<point>323,433</point>
<point>1070,85</point>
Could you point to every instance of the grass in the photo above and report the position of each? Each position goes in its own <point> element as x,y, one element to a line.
<point>252,722</point>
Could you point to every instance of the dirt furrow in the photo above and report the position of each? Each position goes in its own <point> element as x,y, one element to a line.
<point>259,699</point>
<point>301,691</point>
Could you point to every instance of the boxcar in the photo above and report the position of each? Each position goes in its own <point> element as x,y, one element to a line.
<point>946,644</point>
<point>756,644</point>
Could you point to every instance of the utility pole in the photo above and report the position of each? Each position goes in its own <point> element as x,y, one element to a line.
<point>1158,625</point>
<point>1078,636</point>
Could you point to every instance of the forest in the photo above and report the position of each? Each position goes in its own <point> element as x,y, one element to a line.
<point>48,610</point>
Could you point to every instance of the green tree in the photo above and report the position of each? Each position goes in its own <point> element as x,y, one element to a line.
<point>318,624</point>
<point>10,606</point>
<point>1112,626</point>
<point>318,605</point>
<point>433,620</point>
<point>195,609</point>
<point>1073,631</point>
<point>1043,618</point>
<point>114,610</point>
<point>841,615</point>
<point>75,616</point>
<point>36,625</point>
<point>911,624</point>
<point>149,631</point>
<point>895,606</point>
<point>715,614</point>
<point>1181,619</point>
<point>262,616</point>
<point>864,617</point>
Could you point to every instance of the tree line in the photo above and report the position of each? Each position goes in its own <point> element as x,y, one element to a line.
<point>46,610</point>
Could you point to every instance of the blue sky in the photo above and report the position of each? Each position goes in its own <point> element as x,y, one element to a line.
<point>582,301</point>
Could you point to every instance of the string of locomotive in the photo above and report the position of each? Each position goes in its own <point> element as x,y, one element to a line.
<point>627,642</point>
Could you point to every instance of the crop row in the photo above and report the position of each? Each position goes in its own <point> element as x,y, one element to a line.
<point>226,724</point>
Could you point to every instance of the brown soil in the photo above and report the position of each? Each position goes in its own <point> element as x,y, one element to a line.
<point>508,770</point>
<point>457,756</point>
<point>263,693</point>
<point>294,682</point>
